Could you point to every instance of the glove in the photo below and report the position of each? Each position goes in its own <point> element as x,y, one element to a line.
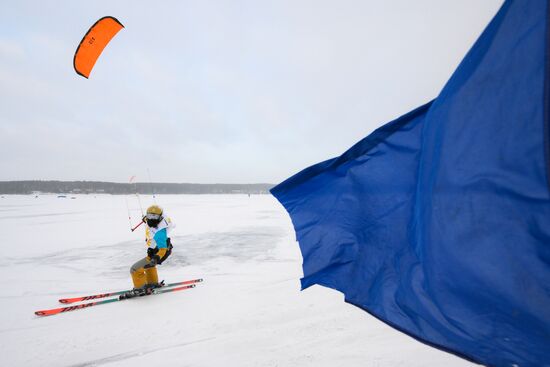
<point>151,263</point>
<point>152,251</point>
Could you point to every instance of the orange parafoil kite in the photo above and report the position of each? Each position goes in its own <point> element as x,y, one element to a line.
<point>93,43</point>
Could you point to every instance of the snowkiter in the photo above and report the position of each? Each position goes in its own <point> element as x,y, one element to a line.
<point>159,247</point>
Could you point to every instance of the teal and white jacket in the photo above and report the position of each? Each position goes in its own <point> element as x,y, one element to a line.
<point>157,237</point>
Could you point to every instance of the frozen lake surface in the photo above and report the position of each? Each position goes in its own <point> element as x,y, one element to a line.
<point>248,312</point>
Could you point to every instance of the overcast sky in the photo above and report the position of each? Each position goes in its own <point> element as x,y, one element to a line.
<point>217,91</point>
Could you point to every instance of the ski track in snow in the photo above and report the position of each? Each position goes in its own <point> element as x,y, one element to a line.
<point>129,355</point>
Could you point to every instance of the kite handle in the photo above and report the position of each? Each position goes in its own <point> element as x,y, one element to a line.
<point>139,224</point>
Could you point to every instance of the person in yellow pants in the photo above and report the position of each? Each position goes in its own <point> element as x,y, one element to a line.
<point>159,247</point>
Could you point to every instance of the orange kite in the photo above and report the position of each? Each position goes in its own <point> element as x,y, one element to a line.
<point>93,43</point>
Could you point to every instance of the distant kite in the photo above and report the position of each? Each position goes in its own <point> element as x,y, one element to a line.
<point>93,43</point>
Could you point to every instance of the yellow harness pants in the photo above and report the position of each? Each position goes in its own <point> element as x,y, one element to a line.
<point>144,272</point>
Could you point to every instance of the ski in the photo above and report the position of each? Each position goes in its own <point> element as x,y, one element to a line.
<point>56,311</point>
<point>105,295</point>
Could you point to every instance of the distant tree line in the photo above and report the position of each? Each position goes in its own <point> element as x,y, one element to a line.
<point>97,187</point>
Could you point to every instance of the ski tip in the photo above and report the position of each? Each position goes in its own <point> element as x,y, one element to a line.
<point>40,313</point>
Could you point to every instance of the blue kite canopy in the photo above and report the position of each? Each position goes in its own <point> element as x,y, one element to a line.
<point>438,223</point>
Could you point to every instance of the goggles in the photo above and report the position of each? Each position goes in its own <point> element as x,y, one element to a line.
<point>153,216</point>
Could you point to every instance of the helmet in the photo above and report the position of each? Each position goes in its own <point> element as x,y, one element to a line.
<point>154,209</point>
<point>154,215</point>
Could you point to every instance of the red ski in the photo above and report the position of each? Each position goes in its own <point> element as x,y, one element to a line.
<point>105,295</point>
<point>56,311</point>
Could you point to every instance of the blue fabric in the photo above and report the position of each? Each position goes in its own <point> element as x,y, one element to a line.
<point>438,223</point>
<point>160,238</point>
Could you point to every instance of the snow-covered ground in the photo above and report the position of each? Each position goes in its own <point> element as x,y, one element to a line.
<point>248,312</point>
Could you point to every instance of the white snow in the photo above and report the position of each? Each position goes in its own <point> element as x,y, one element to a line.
<point>248,312</point>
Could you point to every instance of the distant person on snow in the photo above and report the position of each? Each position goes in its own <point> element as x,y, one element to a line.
<point>159,247</point>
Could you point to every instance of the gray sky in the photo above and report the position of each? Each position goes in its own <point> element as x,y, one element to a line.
<point>217,91</point>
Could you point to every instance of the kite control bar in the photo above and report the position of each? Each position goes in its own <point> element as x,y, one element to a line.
<point>139,224</point>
